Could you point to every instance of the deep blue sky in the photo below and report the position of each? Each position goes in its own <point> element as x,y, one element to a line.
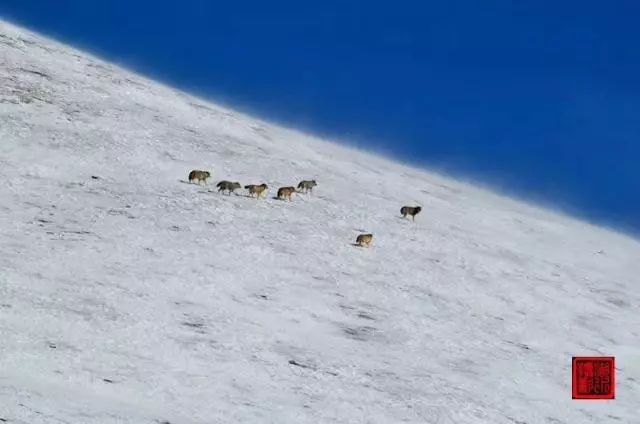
<point>541,98</point>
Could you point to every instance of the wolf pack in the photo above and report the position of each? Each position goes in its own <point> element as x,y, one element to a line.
<point>305,186</point>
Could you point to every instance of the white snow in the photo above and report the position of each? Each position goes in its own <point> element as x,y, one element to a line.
<point>192,304</point>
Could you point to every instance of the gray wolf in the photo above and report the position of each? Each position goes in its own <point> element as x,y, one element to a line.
<point>199,175</point>
<point>364,239</point>
<point>410,210</point>
<point>307,185</point>
<point>228,186</point>
<point>256,189</point>
<point>286,192</point>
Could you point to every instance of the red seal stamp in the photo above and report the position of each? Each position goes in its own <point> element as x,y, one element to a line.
<point>594,377</point>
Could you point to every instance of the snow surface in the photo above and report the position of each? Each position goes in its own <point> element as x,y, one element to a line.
<point>138,298</point>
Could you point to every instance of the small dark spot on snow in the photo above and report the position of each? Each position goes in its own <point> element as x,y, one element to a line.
<point>263,296</point>
<point>516,421</point>
<point>360,333</point>
<point>81,232</point>
<point>32,71</point>
<point>52,345</point>
<point>95,177</point>
<point>193,324</point>
<point>301,365</point>
<point>520,345</point>
<point>365,315</point>
<point>106,380</point>
<point>618,302</point>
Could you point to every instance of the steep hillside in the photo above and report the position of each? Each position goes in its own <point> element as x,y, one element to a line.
<point>130,296</point>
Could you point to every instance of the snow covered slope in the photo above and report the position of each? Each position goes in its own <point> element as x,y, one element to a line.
<point>130,296</point>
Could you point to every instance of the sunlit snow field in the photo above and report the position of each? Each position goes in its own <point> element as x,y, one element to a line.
<point>128,295</point>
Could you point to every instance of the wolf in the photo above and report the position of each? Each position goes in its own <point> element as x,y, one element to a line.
<point>199,176</point>
<point>228,186</point>
<point>307,185</point>
<point>410,210</point>
<point>256,189</point>
<point>364,239</point>
<point>286,192</point>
